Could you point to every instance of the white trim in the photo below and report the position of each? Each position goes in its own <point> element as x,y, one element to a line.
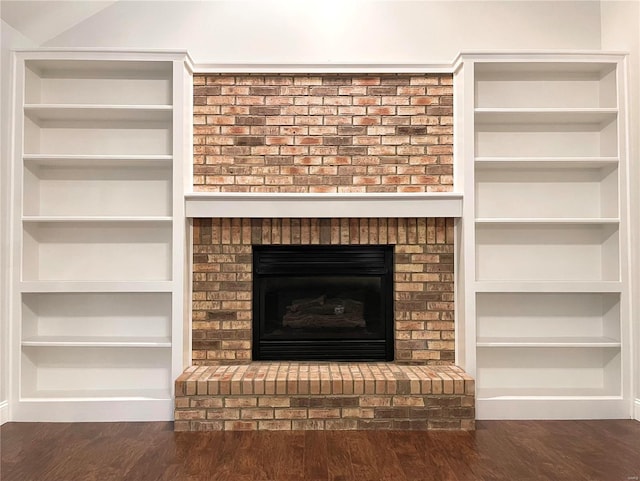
<point>464,178</point>
<point>322,68</point>
<point>328,67</point>
<point>258,205</point>
<point>4,412</point>
<point>93,410</point>
<point>534,55</point>
<point>550,407</point>
<point>118,53</point>
<point>636,409</point>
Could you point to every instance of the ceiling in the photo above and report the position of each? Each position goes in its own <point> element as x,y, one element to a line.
<point>42,21</point>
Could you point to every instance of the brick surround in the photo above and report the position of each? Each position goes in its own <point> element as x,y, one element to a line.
<point>222,280</point>
<point>323,133</point>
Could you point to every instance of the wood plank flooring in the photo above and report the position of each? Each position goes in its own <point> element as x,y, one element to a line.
<point>496,451</point>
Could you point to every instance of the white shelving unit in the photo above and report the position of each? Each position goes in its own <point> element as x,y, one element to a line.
<point>102,141</point>
<point>544,294</point>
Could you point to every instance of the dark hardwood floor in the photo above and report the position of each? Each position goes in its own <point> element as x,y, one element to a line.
<point>498,450</point>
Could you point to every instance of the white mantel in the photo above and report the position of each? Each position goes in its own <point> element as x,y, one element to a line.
<point>311,205</point>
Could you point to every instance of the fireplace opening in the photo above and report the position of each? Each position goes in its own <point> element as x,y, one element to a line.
<point>323,303</point>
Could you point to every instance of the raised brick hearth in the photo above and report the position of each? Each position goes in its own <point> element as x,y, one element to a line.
<point>307,396</point>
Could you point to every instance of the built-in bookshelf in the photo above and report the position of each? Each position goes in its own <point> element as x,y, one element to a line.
<point>100,143</point>
<point>545,276</point>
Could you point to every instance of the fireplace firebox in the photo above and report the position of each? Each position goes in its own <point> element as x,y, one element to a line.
<point>332,303</point>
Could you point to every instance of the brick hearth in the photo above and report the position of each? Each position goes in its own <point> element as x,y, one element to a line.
<point>308,396</point>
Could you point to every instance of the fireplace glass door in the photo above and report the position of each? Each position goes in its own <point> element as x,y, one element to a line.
<point>323,303</point>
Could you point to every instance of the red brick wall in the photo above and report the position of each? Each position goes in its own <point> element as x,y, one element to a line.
<point>323,133</point>
<point>222,280</point>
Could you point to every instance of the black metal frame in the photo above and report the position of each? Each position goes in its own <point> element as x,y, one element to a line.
<point>322,260</point>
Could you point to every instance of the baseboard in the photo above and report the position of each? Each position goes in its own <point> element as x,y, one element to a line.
<point>4,412</point>
<point>92,410</point>
<point>636,409</point>
<point>547,408</point>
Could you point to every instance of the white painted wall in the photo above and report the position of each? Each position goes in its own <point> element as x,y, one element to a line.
<point>9,39</point>
<point>621,31</point>
<point>315,31</point>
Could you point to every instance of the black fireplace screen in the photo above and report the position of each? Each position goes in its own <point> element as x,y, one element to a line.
<point>323,303</point>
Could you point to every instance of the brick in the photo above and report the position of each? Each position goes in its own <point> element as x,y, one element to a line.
<point>223,414</point>
<point>190,414</point>
<point>323,413</point>
<point>365,81</point>
<point>413,401</point>
<point>274,402</point>
<point>297,413</point>
<point>280,425</point>
<point>391,413</point>
<point>207,426</point>
<point>375,401</point>
<point>341,424</point>
<point>256,413</point>
<point>206,402</point>
<point>240,402</point>
<point>240,425</point>
<point>307,425</point>
<point>364,413</point>
<point>374,424</point>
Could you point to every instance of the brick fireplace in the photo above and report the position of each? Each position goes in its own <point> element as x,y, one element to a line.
<point>325,134</point>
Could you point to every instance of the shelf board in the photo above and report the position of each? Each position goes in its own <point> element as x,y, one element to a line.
<point>544,116</point>
<point>541,393</point>
<point>549,286</point>
<point>548,220</point>
<point>498,68</point>
<point>64,218</point>
<point>95,341</point>
<point>89,112</point>
<point>547,342</point>
<point>90,161</point>
<point>545,163</point>
<point>95,286</point>
<point>58,68</point>
<point>97,395</point>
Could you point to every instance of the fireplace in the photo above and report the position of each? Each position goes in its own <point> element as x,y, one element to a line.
<point>323,303</point>
<point>281,286</point>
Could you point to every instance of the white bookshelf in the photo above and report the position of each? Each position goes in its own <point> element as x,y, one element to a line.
<point>544,291</point>
<point>100,234</point>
